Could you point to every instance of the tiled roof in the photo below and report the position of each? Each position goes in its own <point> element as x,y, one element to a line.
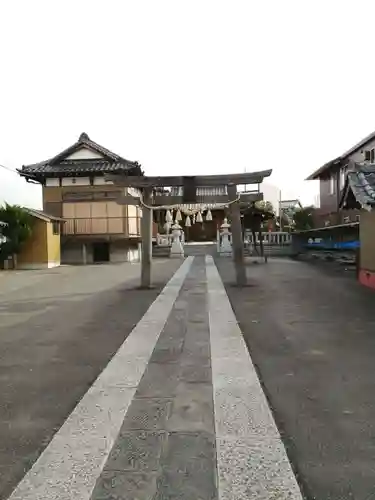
<point>60,165</point>
<point>72,167</point>
<point>360,181</point>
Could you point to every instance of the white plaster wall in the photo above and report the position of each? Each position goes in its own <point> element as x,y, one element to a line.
<point>75,181</point>
<point>100,181</point>
<point>134,254</point>
<point>53,182</point>
<point>121,252</point>
<point>38,265</point>
<point>72,253</point>
<point>84,154</point>
<point>133,192</point>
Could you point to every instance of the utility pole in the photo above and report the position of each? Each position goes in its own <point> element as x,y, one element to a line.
<point>280,213</point>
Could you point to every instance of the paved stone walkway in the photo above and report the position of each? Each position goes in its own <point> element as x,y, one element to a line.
<point>178,413</point>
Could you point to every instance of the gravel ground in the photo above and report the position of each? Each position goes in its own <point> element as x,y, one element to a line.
<point>311,334</point>
<point>58,330</point>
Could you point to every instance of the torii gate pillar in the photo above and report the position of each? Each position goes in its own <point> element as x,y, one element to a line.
<point>146,235</point>
<point>237,240</point>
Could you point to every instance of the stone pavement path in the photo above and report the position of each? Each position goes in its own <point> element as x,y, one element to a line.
<point>178,413</point>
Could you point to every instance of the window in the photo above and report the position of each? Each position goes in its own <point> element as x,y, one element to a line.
<point>56,227</point>
<point>367,155</point>
<point>342,177</point>
<point>332,185</point>
<point>372,155</point>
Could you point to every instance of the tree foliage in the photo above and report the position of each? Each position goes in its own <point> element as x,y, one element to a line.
<point>257,214</point>
<point>303,218</point>
<point>17,229</point>
<point>265,206</point>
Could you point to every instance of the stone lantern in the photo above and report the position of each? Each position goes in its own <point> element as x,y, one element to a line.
<point>225,245</point>
<point>177,249</point>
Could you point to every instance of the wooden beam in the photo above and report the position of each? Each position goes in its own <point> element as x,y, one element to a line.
<point>178,200</point>
<point>146,235</point>
<point>201,180</point>
<point>237,240</point>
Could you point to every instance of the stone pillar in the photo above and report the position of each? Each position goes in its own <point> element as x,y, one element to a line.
<point>238,250</point>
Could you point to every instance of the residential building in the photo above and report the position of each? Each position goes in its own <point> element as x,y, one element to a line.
<point>42,249</point>
<point>332,177</point>
<point>97,228</point>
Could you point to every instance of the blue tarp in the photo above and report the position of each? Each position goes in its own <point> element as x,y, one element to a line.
<point>332,245</point>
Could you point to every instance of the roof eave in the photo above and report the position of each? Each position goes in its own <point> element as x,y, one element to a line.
<point>323,169</point>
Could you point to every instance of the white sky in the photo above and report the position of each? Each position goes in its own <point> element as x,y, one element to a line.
<point>186,87</point>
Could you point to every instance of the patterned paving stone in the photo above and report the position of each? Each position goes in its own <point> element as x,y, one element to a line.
<point>187,484</point>
<point>136,451</point>
<point>192,373</point>
<point>159,381</point>
<point>148,414</point>
<point>167,353</point>
<point>181,448</point>
<point>192,408</point>
<point>114,485</point>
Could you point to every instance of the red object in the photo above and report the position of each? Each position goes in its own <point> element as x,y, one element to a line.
<point>367,278</point>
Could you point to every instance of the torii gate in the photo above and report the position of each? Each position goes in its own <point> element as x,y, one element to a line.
<point>190,185</point>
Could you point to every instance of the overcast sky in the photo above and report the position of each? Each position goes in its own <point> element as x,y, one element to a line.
<point>186,87</point>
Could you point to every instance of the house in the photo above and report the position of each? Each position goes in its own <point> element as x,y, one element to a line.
<point>97,228</point>
<point>42,249</point>
<point>332,177</point>
<point>359,194</point>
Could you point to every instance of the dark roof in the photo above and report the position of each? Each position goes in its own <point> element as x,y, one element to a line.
<point>324,168</point>
<point>344,156</point>
<point>360,184</point>
<point>59,165</point>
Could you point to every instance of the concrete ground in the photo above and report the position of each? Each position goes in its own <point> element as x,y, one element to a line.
<point>58,330</point>
<point>170,404</point>
<point>310,330</point>
<point>178,412</point>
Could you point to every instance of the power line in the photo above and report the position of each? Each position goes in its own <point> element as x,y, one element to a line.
<point>27,176</point>
<point>9,169</point>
